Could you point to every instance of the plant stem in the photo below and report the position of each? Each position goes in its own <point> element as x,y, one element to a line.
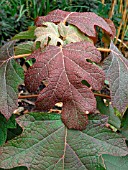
<point>26,55</point>
<point>112,9</point>
<point>36,95</point>
<point>102,95</point>
<point>21,56</point>
<point>104,50</point>
<point>28,96</point>
<point>121,23</point>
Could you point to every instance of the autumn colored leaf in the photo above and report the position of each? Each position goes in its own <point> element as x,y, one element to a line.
<point>112,26</point>
<point>116,68</point>
<point>85,21</point>
<point>64,68</point>
<point>47,144</point>
<point>11,75</point>
<point>71,34</point>
<point>48,34</point>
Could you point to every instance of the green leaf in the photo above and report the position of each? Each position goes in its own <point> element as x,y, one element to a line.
<point>11,75</point>
<point>115,163</point>
<point>4,125</point>
<point>47,144</point>
<point>48,34</point>
<point>71,34</point>
<point>124,128</point>
<point>109,111</point>
<point>12,133</point>
<point>24,48</point>
<point>3,129</point>
<point>29,34</point>
<point>11,122</point>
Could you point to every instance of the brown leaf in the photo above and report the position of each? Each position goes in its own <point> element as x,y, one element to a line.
<point>112,26</point>
<point>85,21</point>
<point>64,68</point>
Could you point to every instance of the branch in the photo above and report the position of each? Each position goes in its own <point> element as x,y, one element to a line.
<point>36,95</point>
<point>26,55</point>
<point>104,50</point>
<point>21,56</point>
<point>102,95</point>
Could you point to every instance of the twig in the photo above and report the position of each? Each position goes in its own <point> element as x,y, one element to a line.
<point>121,6</point>
<point>102,1</point>
<point>21,56</point>
<point>28,96</point>
<point>36,95</point>
<point>112,9</point>
<point>102,95</point>
<point>121,23</point>
<point>125,45</point>
<point>104,50</point>
<point>123,31</point>
<point>26,55</point>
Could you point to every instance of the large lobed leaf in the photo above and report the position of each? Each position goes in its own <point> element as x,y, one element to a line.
<point>116,68</point>
<point>64,68</point>
<point>11,75</point>
<point>47,144</point>
<point>85,21</point>
<point>115,162</point>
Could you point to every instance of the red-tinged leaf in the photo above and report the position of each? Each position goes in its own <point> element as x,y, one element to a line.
<point>47,144</point>
<point>112,26</point>
<point>11,75</point>
<point>85,21</point>
<point>116,68</point>
<point>64,68</point>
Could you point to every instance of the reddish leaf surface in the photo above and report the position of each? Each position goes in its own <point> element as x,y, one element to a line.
<point>65,68</point>
<point>85,21</point>
<point>112,26</point>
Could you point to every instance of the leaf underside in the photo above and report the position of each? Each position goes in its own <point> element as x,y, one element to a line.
<point>85,21</point>
<point>47,144</point>
<point>64,68</point>
<point>11,75</point>
<point>116,68</point>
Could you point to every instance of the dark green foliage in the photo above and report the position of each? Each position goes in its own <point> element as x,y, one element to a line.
<point>4,126</point>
